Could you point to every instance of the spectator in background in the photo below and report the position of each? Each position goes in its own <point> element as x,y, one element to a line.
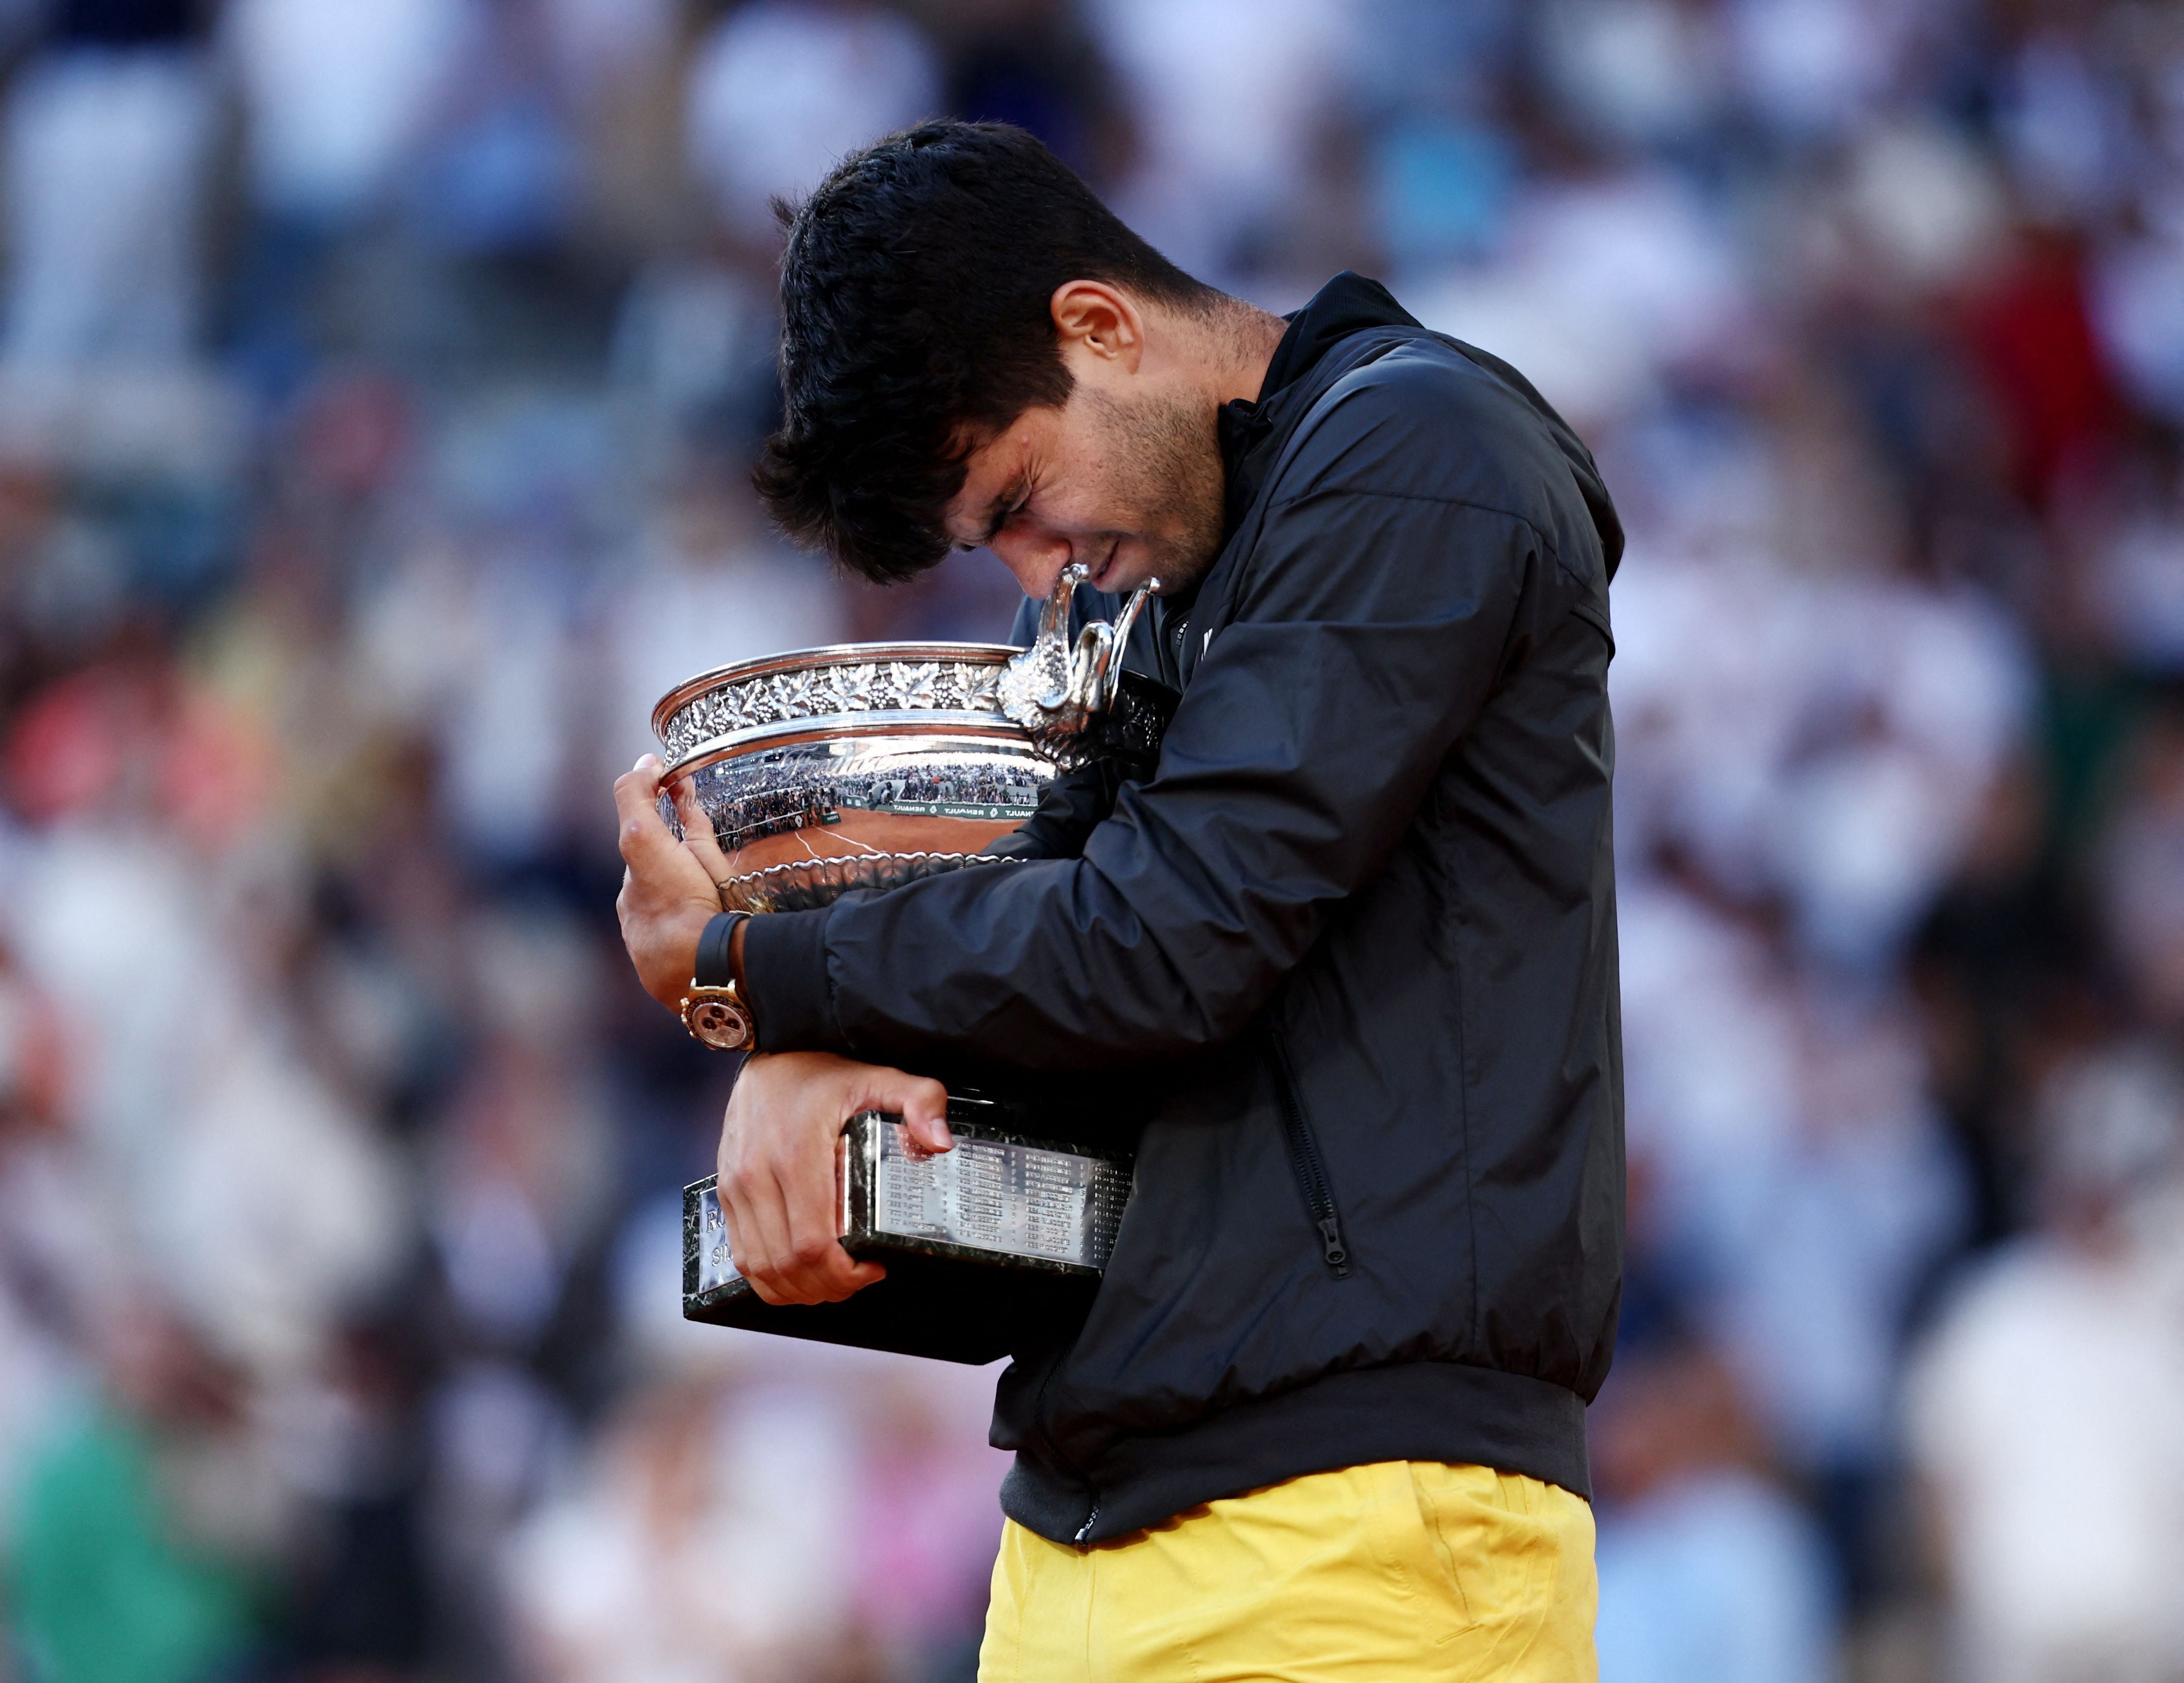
<point>2142,881</point>
<point>147,1518</point>
<point>108,130</point>
<point>336,97</point>
<point>335,92</point>
<point>1034,63</point>
<point>685,1554</point>
<point>2043,1411</point>
<point>1707,1569</point>
<point>755,1515</point>
<point>779,91</point>
<point>1231,100</point>
<point>46,1223</point>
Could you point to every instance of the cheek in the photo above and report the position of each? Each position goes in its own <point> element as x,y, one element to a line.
<point>1097,500</point>
<point>1094,493</point>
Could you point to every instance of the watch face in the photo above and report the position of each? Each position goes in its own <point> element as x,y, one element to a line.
<point>719,1023</point>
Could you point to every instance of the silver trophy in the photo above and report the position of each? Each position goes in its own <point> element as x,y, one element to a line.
<point>867,766</point>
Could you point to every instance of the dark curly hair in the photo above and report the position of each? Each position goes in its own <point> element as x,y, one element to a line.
<point>915,301</point>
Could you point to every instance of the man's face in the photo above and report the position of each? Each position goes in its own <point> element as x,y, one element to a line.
<point>1125,478</point>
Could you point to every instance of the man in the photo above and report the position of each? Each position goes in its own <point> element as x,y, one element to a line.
<point>1343,968</point>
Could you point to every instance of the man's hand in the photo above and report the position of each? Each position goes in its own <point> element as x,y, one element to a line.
<point>777,1185</point>
<point>671,889</point>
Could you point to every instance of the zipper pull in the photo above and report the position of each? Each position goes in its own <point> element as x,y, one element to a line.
<point>1331,1248</point>
<point>1091,1520</point>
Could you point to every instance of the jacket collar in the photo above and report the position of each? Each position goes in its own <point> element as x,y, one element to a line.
<point>1349,303</point>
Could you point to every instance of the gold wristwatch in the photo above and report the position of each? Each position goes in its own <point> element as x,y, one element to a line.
<point>717,1017</point>
<point>714,1010</point>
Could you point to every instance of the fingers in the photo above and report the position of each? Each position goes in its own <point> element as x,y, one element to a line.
<point>786,1244</point>
<point>758,1221</point>
<point>921,1103</point>
<point>815,1269</point>
<point>777,1182</point>
<point>778,1167</point>
<point>645,838</point>
<point>698,837</point>
<point>758,1231</point>
<point>666,899</point>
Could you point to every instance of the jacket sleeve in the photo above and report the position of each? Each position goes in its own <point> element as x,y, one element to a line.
<point>1367,635</point>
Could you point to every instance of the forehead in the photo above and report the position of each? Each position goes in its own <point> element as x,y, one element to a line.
<point>1021,441</point>
<point>1000,454</point>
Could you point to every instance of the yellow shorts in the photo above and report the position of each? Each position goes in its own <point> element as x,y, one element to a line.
<point>1397,1570</point>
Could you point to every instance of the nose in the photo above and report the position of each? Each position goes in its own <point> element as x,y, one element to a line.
<point>1034,559</point>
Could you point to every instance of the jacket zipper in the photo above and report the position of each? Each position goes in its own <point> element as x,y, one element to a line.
<point>1310,1168</point>
<point>1178,630</point>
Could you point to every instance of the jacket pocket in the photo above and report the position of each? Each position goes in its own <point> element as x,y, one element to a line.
<point>1310,1167</point>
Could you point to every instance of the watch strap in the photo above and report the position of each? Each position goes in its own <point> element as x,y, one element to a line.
<point>714,966</point>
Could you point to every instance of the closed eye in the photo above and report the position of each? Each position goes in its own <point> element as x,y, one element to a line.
<point>1007,507</point>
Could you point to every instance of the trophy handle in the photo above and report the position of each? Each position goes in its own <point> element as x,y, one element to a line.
<point>1054,691</point>
<point>1054,615</point>
<point>1125,622</point>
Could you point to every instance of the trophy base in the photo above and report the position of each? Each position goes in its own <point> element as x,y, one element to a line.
<point>942,1309</point>
<point>991,1248</point>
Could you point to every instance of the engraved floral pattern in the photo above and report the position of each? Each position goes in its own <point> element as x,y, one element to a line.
<point>947,686</point>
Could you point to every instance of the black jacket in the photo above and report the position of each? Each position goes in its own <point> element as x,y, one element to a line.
<point>1343,969</point>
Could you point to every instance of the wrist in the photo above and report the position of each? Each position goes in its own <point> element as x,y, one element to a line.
<point>670,947</point>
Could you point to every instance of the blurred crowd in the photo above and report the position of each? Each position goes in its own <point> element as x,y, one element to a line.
<point>378,381</point>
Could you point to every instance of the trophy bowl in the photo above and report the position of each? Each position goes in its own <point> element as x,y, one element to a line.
<point>865,765</point>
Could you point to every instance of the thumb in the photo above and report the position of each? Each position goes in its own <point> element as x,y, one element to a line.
<point>919,1101</point>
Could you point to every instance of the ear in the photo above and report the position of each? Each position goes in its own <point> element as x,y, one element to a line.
<point>1095,320</point>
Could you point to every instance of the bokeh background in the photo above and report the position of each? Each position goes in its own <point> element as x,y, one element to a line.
<point>378,381</point>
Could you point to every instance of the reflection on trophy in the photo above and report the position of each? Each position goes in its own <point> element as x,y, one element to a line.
<point>868,766</point>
